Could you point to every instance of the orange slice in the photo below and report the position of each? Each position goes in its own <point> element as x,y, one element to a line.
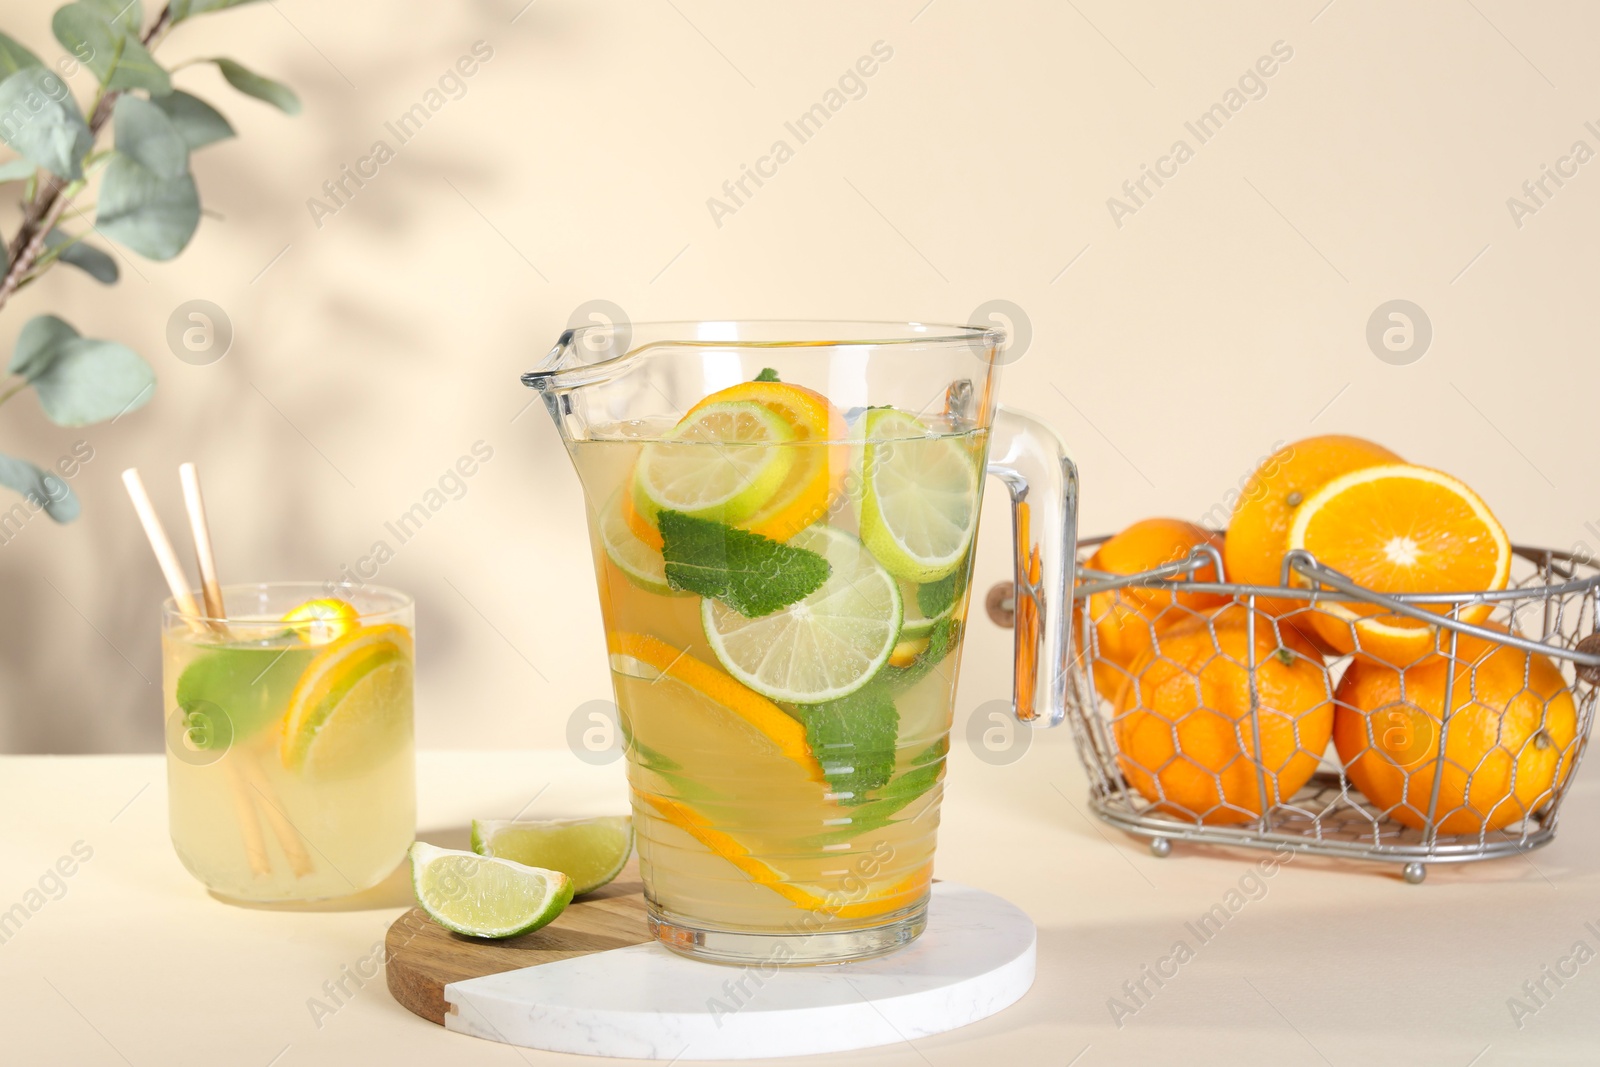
<point>817,478</point>
<point>352,702</point>
<point>1396,528</point>
<point>642,528</point>
<point>841,903</point>
<point>771,721</point>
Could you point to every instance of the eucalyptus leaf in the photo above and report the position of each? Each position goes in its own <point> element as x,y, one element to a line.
<point>117,59</point>
<point>152,215</point>
<point>87,258</point>
<point>125,16</point>
<point>42,488</point>
<point>146,134</point>
<point>198,122</point>
<point>92,381</point>
<point>14,57</point>
<point>250,83</point>
<point>13,170</point>
<point>40,119</point>
<point>182,9</point>
<point>42,341</point>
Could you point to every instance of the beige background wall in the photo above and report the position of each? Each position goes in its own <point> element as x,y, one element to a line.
<point>1226,313</point>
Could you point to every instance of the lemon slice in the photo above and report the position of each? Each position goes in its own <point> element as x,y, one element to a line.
<point>820,648</point>
<point>485,897</point>
<point>640,563</point>
<point>351,708</point>
<point>589,851</point>
<point>316,622</point>
<point>720,462</point>
<point>920,496</point>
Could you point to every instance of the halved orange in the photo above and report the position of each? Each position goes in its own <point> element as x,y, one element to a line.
<point>837,902</point>
<point>1273,495</point>
<point>1397,528</point>
<point>782,729</point>
<point>817,477</point>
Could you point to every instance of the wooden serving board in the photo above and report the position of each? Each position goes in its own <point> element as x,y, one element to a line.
<point>424,957</point>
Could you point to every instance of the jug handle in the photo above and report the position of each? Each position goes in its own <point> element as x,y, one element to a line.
<point>1030,459</point>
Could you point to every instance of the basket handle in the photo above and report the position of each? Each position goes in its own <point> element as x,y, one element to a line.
<point>1030,459</point>
<point>1585,656</point>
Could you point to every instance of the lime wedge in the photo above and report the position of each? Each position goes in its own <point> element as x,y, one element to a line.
<point>351,709</point>
<point>823,647</point>
<point>485,897</point>
<point>640,564</point>
<point>589,851</point>
<point>718,463</point>
<point>920,496</point>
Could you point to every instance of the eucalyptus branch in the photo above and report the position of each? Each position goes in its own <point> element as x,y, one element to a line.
<point>45,208</point>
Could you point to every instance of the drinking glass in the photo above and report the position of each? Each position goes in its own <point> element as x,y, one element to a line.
<point>290,761</point>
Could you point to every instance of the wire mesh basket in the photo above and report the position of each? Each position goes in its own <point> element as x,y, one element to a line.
<point>1270,716</point>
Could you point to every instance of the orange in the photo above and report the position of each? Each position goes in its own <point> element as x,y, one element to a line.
<point>1510,744</point>
<point>1183,729</point>
<point>812,487</point>
<point>1258,533</point>
<point>1400,529</point>
<point>1125,620</point>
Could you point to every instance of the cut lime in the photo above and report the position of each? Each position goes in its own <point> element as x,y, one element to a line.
<point>919,501</point>
<point>481,896</point>
<point>589,851</point>
<point>823,647</point>
<point>719,463</point>
<point>639,563</point>
<point>918,599</point>
<point>351,708</point>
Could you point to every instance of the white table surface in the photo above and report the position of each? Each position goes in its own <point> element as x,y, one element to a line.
<point>136,964</point>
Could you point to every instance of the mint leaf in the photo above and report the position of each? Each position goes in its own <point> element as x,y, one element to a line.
<point>935,598</point>
<point>854,737</point>
<point>927,769</point>
<point>767,375</point>
<point>854,740</point>
<point>753,575</point>
<point>942,639</point>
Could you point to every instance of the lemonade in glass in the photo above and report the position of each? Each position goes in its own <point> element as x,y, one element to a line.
<point>783,586</point>
<point>290,762</point>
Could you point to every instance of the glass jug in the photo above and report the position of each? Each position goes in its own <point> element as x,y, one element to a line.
<point>783,517</point>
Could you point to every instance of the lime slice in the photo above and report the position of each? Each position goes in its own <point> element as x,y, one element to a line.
<point>920,495</point>
<point>351,709</point>
<point>823,647</point>
<point>589,851</point>
<point>942,595</point>
<point>639,563</point>
<point>485,897</point>
<point>718,463</point>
